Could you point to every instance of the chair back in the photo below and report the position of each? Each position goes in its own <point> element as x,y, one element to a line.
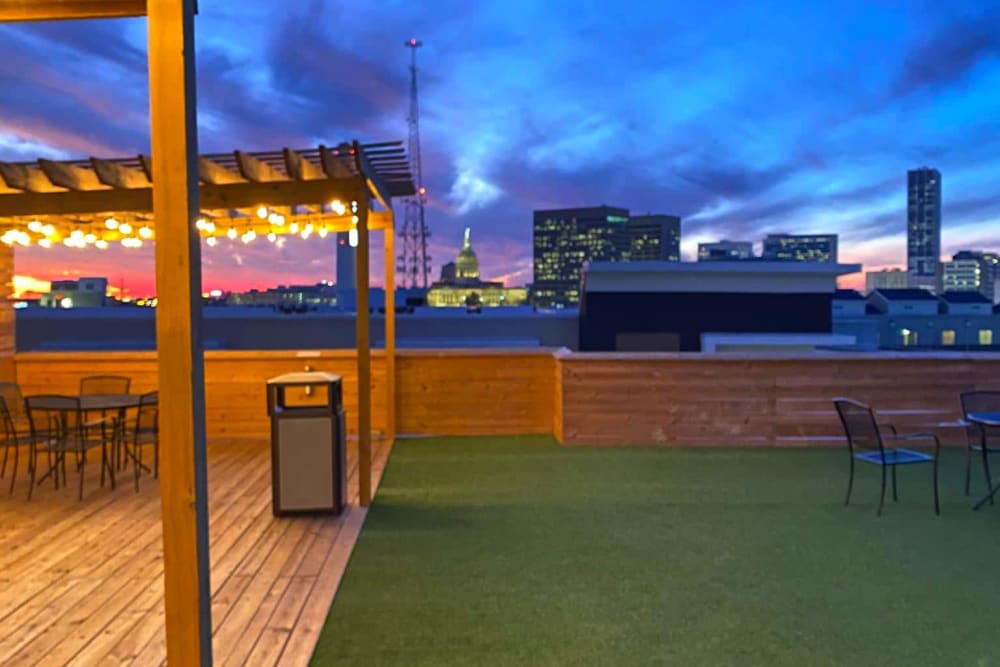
<point>860,426</point>
<point>53,415</point>
<point>147,417</point>
<point>979,401</point>
<point>104,384</point>
<point>11,394</point>
<point>10,431</point>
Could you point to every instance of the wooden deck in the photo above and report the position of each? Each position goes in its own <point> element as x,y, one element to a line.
<point>82,582</point>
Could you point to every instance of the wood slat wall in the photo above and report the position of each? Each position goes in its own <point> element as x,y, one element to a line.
<point>579,398</point>
<point>235,382</point>
<point>438,393</point>
<point>713,400</point>
<point>480,392</point>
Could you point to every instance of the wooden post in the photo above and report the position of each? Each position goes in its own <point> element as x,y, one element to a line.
<point>364,357</point>
<point>183,487</point>
<point>8,320</point>
<point>390,329</point>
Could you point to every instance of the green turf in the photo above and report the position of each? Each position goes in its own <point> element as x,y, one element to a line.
<point>514,551</point>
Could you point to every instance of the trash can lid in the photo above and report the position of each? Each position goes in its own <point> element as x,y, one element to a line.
<point>313,377</point>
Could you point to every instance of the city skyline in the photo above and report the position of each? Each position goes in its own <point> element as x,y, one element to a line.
<point>797,143</point>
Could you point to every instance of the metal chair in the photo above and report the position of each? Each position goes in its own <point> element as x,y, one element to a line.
<point>12,439</point>
<point>865,442</point>
<point>104,384</point>
<point>144,431</point>
<point>58,427</point>
<point>980,438</point>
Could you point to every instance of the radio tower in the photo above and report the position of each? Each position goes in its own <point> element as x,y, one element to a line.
<point>414,264</point>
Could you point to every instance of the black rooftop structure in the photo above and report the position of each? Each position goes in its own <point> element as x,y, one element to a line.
<point>906,294</point>
<point>964,297</point>
<point>848,295</point>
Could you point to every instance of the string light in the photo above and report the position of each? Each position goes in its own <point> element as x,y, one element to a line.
<point>45,243</point>
<point>35,226</point>
<point>111,223</point>
<point>211,241</point>
<point>262,212</point>
<point>145,232</point>
<point>231,233</point>
<point>125,228</point>
<point>323,231</point>
<point>272,237</point>
<point>294,228</point>
<point>101,244</point>
<point>338,207</point>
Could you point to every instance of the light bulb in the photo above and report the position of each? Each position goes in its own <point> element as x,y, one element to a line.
<point>48,230</point>
<point>45,243</point>
<point>76,234</point>
<point>89,238</point>
<point>145,232</point>
<point>262,212</point>
<point>125,228</point>
<point>111,223</point>
<point>211,241</point>
<point>101,244</point>
<point>354,219</point>
<point>231,233</point>
<point>323,231</point>
<point>293,228</point>
<point>272,237</point>
<point>34,226</point>
<point>338,207</point>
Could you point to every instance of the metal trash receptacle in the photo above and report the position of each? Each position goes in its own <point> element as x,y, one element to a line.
<point>308,444</point>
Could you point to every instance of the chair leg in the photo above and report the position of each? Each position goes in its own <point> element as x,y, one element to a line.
<point>82,467</point>
<point>850,484</point>
<point>937,504</point>
<point>895,498</point>
<point>968,468</point>
<point>13,472</point>
<point>6,451</point>
<point>32,463</point>
<point>137,464</point>
<point>881,498</point>
<point>986,469</point>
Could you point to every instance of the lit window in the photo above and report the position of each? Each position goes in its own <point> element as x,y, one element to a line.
<point>986,336</point>
<point>909,337</point>
<point>948,337</point>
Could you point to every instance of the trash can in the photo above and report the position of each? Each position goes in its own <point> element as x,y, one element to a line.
<point>308,443</point>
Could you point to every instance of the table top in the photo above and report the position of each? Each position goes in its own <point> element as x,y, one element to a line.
<point>95,402</point>
<point>985,418</point>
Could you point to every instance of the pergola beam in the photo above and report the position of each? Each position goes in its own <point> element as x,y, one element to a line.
<point>53,10</point>
<point>70,176</point>
<point>214,173</point>
<point>118,176</point>
<point>213,196</point>
<point>256,170</point>
<point>300,168</point>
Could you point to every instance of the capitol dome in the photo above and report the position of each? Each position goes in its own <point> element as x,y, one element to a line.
<point>467,264</point>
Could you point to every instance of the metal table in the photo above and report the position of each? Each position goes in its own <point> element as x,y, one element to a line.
<point>985,420</point>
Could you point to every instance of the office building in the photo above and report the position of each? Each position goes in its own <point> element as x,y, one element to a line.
<point>566,239</point>
<point>460,285</point>
<point>923,228</point>
<point>885,279</point>
<point>972,271</point>
<point>801,247</point>
<point>654,237</point>
<point>725,251</point>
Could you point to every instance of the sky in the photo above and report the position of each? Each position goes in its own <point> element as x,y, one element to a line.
<point>742,118</point>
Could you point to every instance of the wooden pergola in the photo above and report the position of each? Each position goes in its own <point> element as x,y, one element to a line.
<point>177,196</point>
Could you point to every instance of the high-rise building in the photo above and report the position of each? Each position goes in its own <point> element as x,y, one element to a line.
<point>972,271</point>
<point>565,239</point>
<point>347,284</point>
<point>923,228</point>
<point>654,237</point>
<point>801,247</point>
<point>885,279</point>
<point>725,251</point>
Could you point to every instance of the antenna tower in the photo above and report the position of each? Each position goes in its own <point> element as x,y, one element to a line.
<point>414,264</point>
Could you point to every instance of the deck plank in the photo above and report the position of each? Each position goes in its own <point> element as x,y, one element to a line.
<point>83,581</point>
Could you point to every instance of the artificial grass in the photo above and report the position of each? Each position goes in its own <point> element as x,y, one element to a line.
<point>514,551</point>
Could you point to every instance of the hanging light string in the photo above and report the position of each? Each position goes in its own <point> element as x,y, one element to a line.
<point>265,223</point>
